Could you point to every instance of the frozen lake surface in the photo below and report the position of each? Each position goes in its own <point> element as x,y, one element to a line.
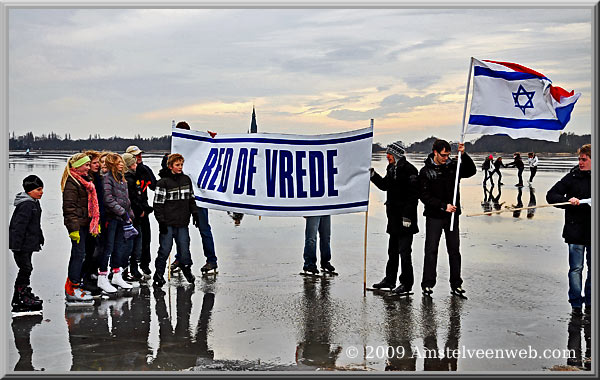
<point>259,314</point>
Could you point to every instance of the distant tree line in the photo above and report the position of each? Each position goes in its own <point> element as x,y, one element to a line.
<point>568,143</point>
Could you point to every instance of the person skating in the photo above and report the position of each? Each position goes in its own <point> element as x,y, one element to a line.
<point>486,167</point>
<point>402,187</point>
<point>147,180</point>
<point>25,236</point>
<point>118,214</point>
<point>81,218</point>
<point>532,160</point>
<point>498,164</point>
<point>517,163</point>
<point>436,182</point>
<point>322,225</point>
<point>174,203</point>
<point>577,232</point>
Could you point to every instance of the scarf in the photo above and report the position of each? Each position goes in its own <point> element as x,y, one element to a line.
<point>93,208</point>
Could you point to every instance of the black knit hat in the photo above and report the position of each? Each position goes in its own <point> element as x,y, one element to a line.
<point>32,182</point>
<point>396,150</point>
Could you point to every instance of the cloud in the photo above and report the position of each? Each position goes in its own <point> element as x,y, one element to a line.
<point>392,104</point>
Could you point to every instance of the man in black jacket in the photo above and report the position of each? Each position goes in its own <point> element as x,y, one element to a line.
<point>402,186</point>
<point>436,181</point>
<point>577,232</point>
<point>174,203</point>
<point>147,180</point>
<point>518,163</point>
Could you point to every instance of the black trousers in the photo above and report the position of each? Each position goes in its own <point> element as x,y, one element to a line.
<point>532,171</point>
<point>23,260</point>
<point>520,174</point>
<point>90,263</point>
<point>400,249</point>
<point>145,226</point>
<point>433,233</point>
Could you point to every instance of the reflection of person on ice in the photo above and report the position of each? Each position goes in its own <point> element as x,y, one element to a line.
<point>25,236</point>
<point>573,188</point>
<point>436,181</point>
<point>402,187</point>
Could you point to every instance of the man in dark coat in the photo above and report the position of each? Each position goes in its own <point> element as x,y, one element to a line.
<point>518,163</point>
<point>577,232</point>
<point>436,182</point>
<point>402,186</point>
<point>147,180</point>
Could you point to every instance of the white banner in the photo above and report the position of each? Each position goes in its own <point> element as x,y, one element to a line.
<point>277,174</point>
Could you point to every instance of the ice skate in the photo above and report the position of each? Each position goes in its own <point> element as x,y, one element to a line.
<point>23,304</point>
<point>29,292</point>
<point>146,272</point>
<point>458,291</point>
<point>92,288</point>
<point>175,267</point>
<point>402,291</point>
<point>118,282</point>
<point>187,272</point>
<point>209,268</point>
<point>128,278</point>
<point>310,270</point>
<point>75,296</point>
<point>327,268</point>
<point>158,282</point>
<point>427,291</point>
<point>382,285</point>
<point>108,291</point>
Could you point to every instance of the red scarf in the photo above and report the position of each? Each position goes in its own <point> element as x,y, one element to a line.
<point>93,209</point>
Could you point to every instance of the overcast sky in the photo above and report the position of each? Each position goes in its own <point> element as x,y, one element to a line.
<point>127,72</point>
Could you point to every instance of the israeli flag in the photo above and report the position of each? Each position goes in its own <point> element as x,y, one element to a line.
<point>512,99</point>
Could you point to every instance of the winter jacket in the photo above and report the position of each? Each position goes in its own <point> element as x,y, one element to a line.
<point>147,179</point>
<point>75,205</point>
<point>116,198</point>
<point>402,186</point>
<point>517,163</point>
<point>578,219</point>
<point>25,229</point>
<point>487,163</point>
<point>436,183</point>
<point>498,164</point>
<point>533,162</point>
<point>139,202</point>
<point>174,200</point>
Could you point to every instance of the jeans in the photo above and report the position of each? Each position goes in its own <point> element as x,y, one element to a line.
<point>433,233</point>
<point>23,260</point>
<point>322,224</point>
<point>576,257</point>
<point>77,255</point>
<point>89,262</point>
<point>181,235</point>
<point>532,171</point>
<point>208,244</point>
<point>399,252</point>
<point>136,249</point>
<point>116,248</point>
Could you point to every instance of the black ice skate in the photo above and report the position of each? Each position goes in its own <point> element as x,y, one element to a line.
<point>327,268</point>
<point>310,270</point>
<point>402,291</point>
<point>458,291</point>
<point>158,282</point>
<point>209,268</point>
<point>187,272</point>
<point>175,267</point>
<point>23,304</point>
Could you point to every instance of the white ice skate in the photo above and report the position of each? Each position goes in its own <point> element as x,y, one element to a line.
<point>107,289</point>
<point>118,281</point>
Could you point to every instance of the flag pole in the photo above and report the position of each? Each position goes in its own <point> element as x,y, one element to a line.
<point>462,139</point>
<point>366,224</point>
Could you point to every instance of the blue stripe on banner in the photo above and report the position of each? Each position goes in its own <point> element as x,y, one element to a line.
<point>282,208</point>
<point>564,113</point>
<point>269,140</point>
<point>508,75</point>
<point>549,125</point>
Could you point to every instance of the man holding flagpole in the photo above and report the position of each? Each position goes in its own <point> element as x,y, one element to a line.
<point>436,182</point>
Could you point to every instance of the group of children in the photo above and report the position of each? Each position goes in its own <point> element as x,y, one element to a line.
<point>104,202</point>
<point>532,160</point>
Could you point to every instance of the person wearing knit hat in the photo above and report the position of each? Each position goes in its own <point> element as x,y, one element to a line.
<point>486,167</point>
<point>129,160</point>
<point>25,237</point>
<point>147,180</point>
<point>401,185</point>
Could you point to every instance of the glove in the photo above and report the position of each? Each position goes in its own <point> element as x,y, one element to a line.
<point>162,228</point>
<point>196,219</point>
<point>75,236</point>
<point>99,228</point>
<point>406,222</point>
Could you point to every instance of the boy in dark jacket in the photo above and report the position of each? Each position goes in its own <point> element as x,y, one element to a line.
<point>25,237</point>
<point>436,180</point>
<point>402,186</point>
<point>577,232</point>
<point>174,203</point>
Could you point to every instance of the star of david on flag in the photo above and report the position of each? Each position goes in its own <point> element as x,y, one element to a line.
<point>512,99</point>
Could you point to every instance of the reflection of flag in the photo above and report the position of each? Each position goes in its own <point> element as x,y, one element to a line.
<point>514,100</point>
